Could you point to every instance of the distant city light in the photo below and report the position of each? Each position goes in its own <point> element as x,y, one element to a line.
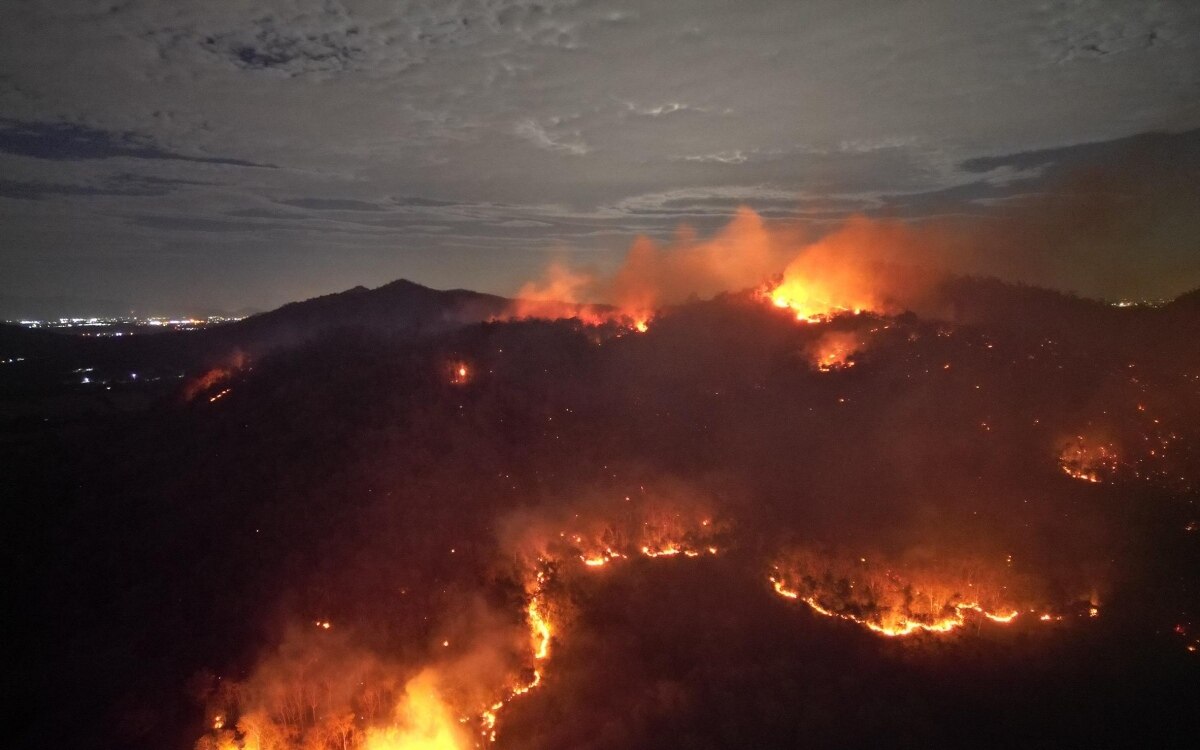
<point>125,325</point>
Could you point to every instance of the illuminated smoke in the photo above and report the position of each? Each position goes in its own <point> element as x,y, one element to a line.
<point>866,264</point>
<point>744,254</point>
<point>210,380</point>
<point>318,688</point>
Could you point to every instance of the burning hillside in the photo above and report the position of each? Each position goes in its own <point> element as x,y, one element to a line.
<point>814,509</point>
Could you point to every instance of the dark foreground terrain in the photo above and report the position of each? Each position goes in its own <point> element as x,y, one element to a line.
<point>375,461</point>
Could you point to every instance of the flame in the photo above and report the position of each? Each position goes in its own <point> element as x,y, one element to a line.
<point>423,721</point>
<point>808,308</point>
<point>596,560</point>
<point>460,373</point>
<point>214,377</point>
<point>540,626</point>
<point>858,267</point>
<point>1088,461</point>
<point>742,255</point>
<point>895,625</point>
<point>428,716</point>
<point>833,351</point>
<point>665,537</point>
<point>560,295</point>
<point>921,599</point>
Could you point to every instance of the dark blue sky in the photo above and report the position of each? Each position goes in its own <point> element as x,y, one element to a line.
<point>175,157</point>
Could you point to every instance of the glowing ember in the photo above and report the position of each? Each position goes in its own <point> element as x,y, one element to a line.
<point>460,374</point>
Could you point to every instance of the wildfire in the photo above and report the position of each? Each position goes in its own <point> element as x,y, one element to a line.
<point>597,560</point>
<point>670,550</point>
<point>437,711</point>
<point>215,377</point>
<point>541,631</point>
<point>808,307</point>
<point>658,534</point>
<point>921,600</point>
<point>540,627</point>
<point>540,634</point>
<point>460,374</point>
<point>895,625</point>
<point>834,351</point>
<point>423,721</point>
<point>1088,462</point>
<point>853,269</point>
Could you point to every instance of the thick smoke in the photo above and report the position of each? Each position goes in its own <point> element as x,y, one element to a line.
<point>866,264</point>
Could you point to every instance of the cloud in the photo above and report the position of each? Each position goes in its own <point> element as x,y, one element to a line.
<point>468,114</point>
<point>724,157</point>
<point>122,185</point>
<point>267,46</point>
<point>262,213</point>
<point>331,204</point>
<point>194,224</point>
<point>538,136</point>
<point>658,110</point>
<point>422,202</point>
<point>71,141</point>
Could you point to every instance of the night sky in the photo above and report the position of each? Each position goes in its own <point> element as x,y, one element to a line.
<point>198,157</point>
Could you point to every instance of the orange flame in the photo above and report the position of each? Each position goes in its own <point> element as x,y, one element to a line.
<point>1088,461</point>
<point>460,373</point>
<point>919,601</point>
<point>423,721</point>
<point>896,625</point>
<point>214,377</point>
<point>863,265</point>
<point>834,351</point>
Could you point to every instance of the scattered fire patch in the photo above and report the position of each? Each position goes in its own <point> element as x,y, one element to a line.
<point>835,351</point>
<point>460,373</point>
<point>211,380</point>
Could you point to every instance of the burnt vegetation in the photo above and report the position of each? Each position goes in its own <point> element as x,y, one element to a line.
<point>161,548</point>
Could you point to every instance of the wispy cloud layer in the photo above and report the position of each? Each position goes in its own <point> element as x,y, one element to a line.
<point>458,142</point>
